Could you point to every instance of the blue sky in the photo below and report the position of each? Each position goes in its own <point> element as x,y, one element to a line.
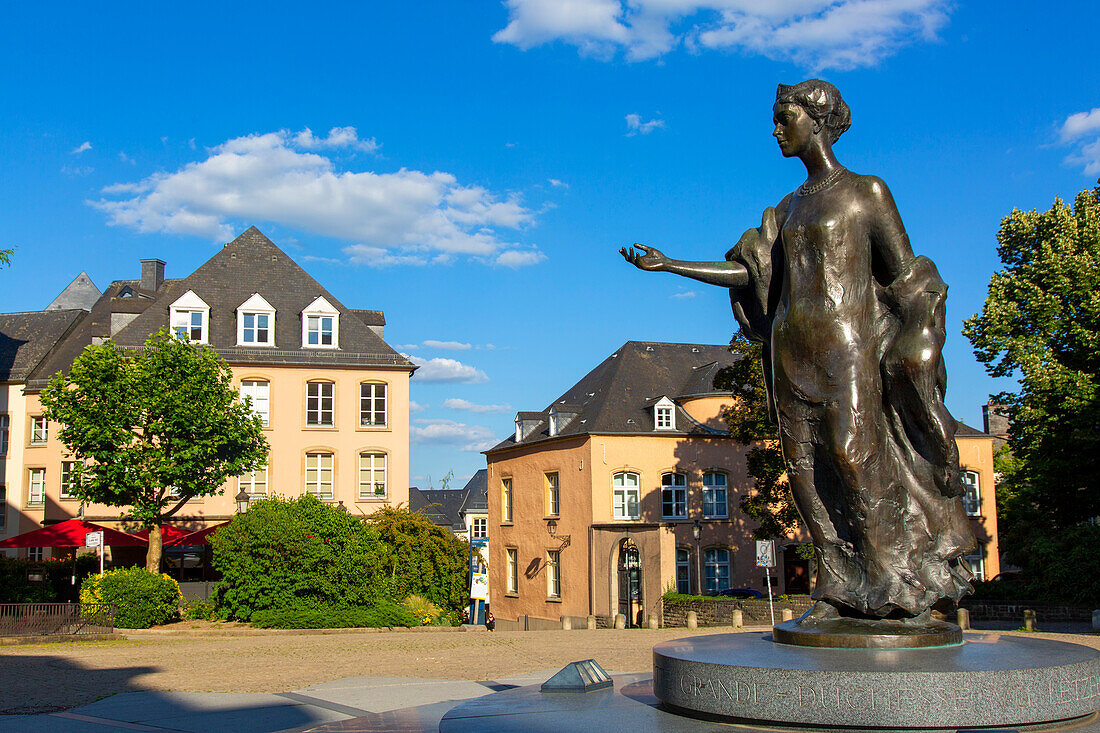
<point>472,168</point>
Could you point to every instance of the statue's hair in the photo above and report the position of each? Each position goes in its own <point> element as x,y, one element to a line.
<point>822,101</point>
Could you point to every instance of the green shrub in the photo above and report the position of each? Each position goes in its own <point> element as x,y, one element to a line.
<point>424,610</point>
<point>420,558</point>
<point>295,553</point>
<point>383,613</point>
<point>200,609</point>
<point>143,599</point>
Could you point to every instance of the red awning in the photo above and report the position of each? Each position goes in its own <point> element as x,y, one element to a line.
<point>169,534</point>
<point>71,533</point>
<point>196,538</point>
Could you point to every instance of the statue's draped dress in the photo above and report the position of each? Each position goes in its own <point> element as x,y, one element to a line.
<point>895,539</point>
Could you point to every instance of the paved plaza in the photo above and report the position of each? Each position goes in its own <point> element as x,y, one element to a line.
<point>237,679</point>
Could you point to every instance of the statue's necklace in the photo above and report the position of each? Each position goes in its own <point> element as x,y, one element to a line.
<point>824,183</point>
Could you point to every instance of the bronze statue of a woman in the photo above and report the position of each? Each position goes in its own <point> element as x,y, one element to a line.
<point>852,325</point>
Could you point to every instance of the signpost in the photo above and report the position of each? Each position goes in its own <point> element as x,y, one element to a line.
<point>765,558</point>
<point>95,539</point>
<point>479,586</point>
<point>475,585</point>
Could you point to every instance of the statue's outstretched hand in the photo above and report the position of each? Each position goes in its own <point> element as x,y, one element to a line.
<point>645,258</point>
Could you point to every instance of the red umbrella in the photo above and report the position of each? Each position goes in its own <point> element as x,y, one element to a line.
<point>169,534</point>
<point>71,533</point>
<point>196,538</point>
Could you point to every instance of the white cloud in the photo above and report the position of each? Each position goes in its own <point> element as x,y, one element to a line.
<point>1083,130</point>
<point>449,432</point>
<point>448,345</point>
<point>685,294</point>
<point>446,370</point>
<point>635,126</point>
<point>415,406</point>
<point>455,403</point>
<point>556,183</point>
<point>407,347</point>
<point>519,258</point>
<point>125,158</point>
<point>77,170</point>
<point>86,145</point>
<point>819,34</point>
<point>407,217</point>
<point>338,137</point>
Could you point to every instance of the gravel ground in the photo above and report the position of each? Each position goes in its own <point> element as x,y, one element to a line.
<point>54,677</point>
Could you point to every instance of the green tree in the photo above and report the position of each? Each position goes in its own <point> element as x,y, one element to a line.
<point>771,504</point>
<point>1041,324</point>
<point>5,256</point>
<point>421,558</point>
<point>153,428</point>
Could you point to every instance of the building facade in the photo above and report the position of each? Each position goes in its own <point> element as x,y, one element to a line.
<point>628,485</point>
<point>332,395</point>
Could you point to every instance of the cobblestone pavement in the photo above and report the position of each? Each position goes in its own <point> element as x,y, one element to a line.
<point>56,677</point>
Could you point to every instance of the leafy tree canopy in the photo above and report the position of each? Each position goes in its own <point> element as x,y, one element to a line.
<point>421,558</point>
<point>154,427</point>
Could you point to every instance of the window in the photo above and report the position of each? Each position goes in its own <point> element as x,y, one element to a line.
<point>36,554</point>
<point>552,505</point>
<point>480,528</point>
<point>714,495</point>
<point>664,414</point>
<point>977,564</point>
<point>319,474</point>
<point>188,317</point>
<point>625,490</point>
<point>3,507</point>
<point>372,475</point>
<point>68,486</point>
<point>716,568</point>
<point>513,570</point>
<point>971,499</point>
<point>255,322</point>
<point>683,571</point>
<point>5,424</point>
<point>553,573</point>
<point>320,325</point>
<point>372,405</point>
<point>506,500</point>
<point>36,486</point>
<point>319,402</point>
<point>673,495</point>
<point>40,430</point>
<point>255,483</point>
<point>258,390</point>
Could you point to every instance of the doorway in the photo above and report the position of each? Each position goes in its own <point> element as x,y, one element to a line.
<point>631,601</point>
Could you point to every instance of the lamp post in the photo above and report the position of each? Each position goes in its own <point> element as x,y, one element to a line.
<point>697,532</point>
<point>242,501</point>
<point>552,530</point>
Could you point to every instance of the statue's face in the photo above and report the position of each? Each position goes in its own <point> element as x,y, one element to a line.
<point>794,128</point>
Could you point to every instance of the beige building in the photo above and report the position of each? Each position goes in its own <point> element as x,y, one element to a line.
<point>628,485</point>
<point>333,396</point>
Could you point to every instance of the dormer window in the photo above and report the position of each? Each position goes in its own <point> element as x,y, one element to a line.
<point>664,414</point>
<point>320,325</point>
<point>190,318</point>
<point>255,322</point>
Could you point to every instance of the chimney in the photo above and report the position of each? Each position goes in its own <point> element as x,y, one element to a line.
<point>152,274</point>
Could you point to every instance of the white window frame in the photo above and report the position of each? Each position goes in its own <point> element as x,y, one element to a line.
<point>320,309</point>
<point>626,496</point>
<point>36,486</point>
<point>65,483</point>
<point>673,495</point>
<point>261,403</point>
<point>320,462</point>
<point>552,494</point>
<point>553,573</point>
<point>972,497</point>
<point>40,430</point>
<point>3,507</point>
<point>5,433</point>
<point>316,410</point>
<point>375,461</point>
<point>255,306</point>
<point>711,490</point>
<point>479,527</point>
<point>371,395</point>
<point>512,563</point>
<point>716,570</point>
<point>664,414</point>
<point>506,500</point>
<point>36,554</point>
<point>683,570</point>
<point>977,563</point>
<point>181,315</point>
<point>254,482</point>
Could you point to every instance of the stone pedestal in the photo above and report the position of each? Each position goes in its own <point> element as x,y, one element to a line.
<point>987,681</point>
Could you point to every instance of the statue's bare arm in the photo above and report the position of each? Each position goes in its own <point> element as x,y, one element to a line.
<point>724,274</point>
<point>892,250</point>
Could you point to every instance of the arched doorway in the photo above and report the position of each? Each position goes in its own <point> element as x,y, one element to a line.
<point>629,568</point>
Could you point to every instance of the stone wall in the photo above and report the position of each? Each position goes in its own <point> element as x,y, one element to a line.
<point>982,610</point>
<point>719,612</point>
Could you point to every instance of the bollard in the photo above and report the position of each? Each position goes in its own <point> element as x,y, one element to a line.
<point>652,621</point>
<point>1029,620</point>
<point>1096,620</point>
<point>692,620</point>
<point>566,623</point>
<point>738,620</point>
<point>591,622</point>
<point>786,614</point>
<point>963,619</point>
<point>620,621</point>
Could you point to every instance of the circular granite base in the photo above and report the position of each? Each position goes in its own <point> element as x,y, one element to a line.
<point>988,681</point>
<point>852,633</point>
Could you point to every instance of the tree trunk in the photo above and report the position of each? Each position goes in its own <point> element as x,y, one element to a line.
<point>152,557</point>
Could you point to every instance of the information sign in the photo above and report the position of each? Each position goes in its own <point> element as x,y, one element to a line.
<point>765,554</point>
<point>479,586</point>
<point>479,542</point>
<point>93,539</point>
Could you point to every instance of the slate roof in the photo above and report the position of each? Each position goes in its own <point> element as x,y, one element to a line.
<point>27,338</point>
<point>477,493</point>
<point>962,430</point>
<point>616,397</point>
<point>442,506</point>
<point>80,294</point>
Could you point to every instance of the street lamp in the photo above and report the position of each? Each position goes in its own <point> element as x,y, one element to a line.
<point>552,530</point>
<point>552,527</point>
<point>242,501</point>
<point>697,532</point>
